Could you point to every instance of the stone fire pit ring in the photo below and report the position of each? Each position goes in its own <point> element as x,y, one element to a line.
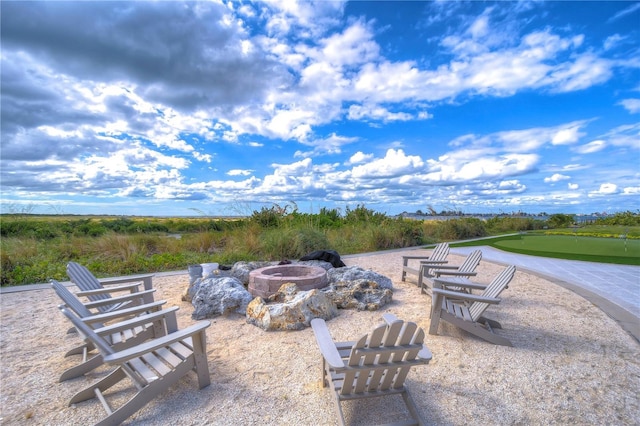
<point>264,282</point>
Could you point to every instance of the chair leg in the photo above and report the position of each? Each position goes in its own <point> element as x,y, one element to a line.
<point>478,329</point>
<point>144,396</point>
<point>81,369</point>
<point>339,412</point>
<point>492,323</point>
<point>411,406</point>
<point>79,350</point>
<point>200,359</point>
<point>436,312</point>
<point>104,384</point>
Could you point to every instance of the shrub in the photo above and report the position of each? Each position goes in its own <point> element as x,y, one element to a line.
<point>560,220</point>
<point>499,224</point>
<point>461,229</point>
<point>292,243</point>
<point>363,214</point>
<point>624,218</point>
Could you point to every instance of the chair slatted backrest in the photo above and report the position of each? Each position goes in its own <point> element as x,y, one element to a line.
<point>102,345</point>
<point>440,252</point>
<point>85,280</point>
<point>382,359</point>
<point>70,300</point>
<point>471,262</point>
<point>494,289</point>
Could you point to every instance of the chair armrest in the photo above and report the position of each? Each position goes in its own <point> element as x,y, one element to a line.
<point>389,318</point>
<point>465,296</point>
<point>98,291</point>
<point>327,347</point>
<point>433,262</point>
<point>425,354</point>
<point>146,279</point>
<point>116,300</point>
<point>136,321</point>
<point>151,345</point>
<point>109,316</point>
<point>443,282</point>
<point>436,265</point>
<point>439,272</point>
<point>415,257</point>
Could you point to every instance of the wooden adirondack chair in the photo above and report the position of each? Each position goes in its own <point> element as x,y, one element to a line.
<point>438,257</point>
<point>152,366</point>
<point>150,322</point>
<point>466,310</point>
<point>464,270</point>
<point>96,291</point>
<point>375,365</point>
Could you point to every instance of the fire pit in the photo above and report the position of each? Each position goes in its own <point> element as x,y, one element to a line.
<point>266,281</point>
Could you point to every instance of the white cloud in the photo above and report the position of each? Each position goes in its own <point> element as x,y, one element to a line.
<point>376,112</point>
<point>394,164</point>
<point>627,135</point>
<point>587,70</point>
<point>568,135</point>
<point>632,8</point>
<point>612,41</point>
<point>359,157</point>
<point>351,47</point>
<point>239,172</point>
<point>331,145</point>
<point>527,140</point>
<point>456,168</point>
<point>632,105</point>
<point>556,177</point>
<point>591,147</point>
<point>605,189</point>
<point>573,186</point>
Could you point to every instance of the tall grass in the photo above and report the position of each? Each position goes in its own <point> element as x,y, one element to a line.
<point>35,250</point>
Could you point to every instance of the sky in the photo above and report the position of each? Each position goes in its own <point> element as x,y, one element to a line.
<point>172,108</point>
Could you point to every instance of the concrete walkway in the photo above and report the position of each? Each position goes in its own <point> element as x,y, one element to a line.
<point>613,288</point>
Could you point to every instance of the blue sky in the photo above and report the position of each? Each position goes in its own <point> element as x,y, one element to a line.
<point>171,108</point>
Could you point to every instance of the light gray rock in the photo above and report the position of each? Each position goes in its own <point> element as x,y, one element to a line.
<point>217,296</point>
<point>290,309</point>
<point>355,273</point>
<point>241,270</point>
<point>363,295</point>
<point>319,263</point>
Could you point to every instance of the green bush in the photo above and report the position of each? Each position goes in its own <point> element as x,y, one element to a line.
<point>502,224</point>
<point>461,229</point>
<point>560,220</point>
<point>292,243</point>
<point>362,214</point>
<point>625,219</point>
<point>35,249</point>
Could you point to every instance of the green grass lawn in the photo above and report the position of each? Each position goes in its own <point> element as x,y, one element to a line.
<point>592,249</point>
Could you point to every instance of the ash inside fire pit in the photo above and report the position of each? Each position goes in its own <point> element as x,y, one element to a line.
<point>266,281</point>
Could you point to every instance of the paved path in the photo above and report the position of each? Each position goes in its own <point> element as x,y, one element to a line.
<point>613,288</point>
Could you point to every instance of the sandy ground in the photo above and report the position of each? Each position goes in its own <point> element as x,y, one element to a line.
<point>570,364</point>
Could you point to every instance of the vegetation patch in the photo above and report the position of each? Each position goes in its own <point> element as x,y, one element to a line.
<point>573,247</point>
<point>36,248</point>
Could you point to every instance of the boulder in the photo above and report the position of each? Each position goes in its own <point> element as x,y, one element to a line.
<point>360,294</point>
<point>241,270</point>
<point>319,263</point>
<point>218,296</point>
<point>290,309</point>
<point>356,273</point>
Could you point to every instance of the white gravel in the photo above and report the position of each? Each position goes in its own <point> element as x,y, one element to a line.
<point>570,364</point>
